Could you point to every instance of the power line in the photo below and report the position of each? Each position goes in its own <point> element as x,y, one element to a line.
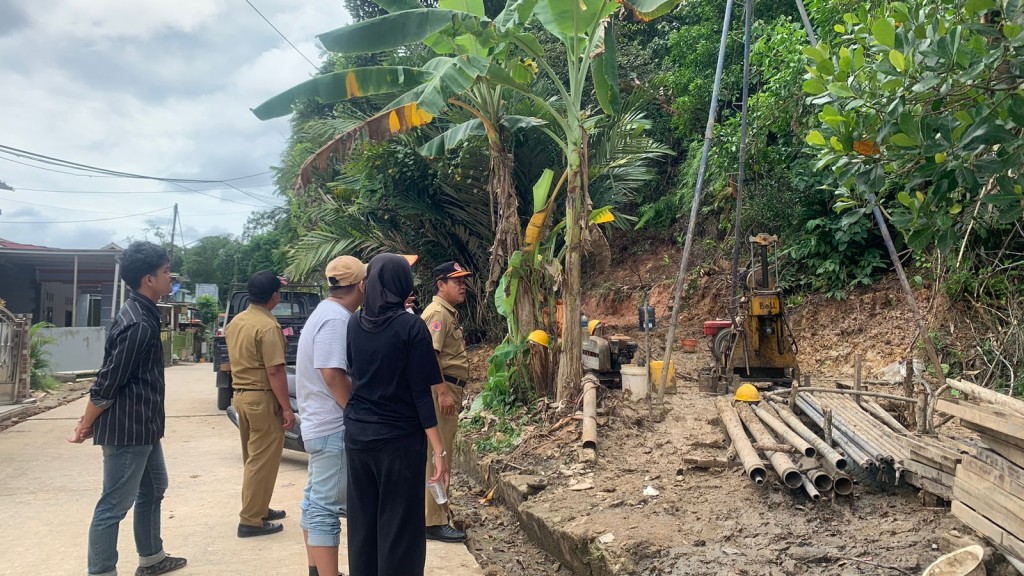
<point>22,189</point>
<point>279,33</point>
<point>92,219</point>
<point>61,207</point>
<point>106,172</point>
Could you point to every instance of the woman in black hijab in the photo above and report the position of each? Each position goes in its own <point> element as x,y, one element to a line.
<point>388,421</point>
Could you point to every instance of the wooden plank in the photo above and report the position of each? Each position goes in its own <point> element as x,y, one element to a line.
<point>1006,542</point>
<point>1000,464</point>
<point>1012,482</point>
<point>931,452</point>
<point>1007,451</point>
<point>933,474</point>
<point>985,432</point>
<point>992,417</point>
<point>989,501</point>
<point>930,486</point>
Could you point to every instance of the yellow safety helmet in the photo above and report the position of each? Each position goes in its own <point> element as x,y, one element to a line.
<point>539,337</point>
<point>747,393</point>
<point>593,325</point>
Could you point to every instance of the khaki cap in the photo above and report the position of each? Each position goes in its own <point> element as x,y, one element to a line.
<point>345,271</point>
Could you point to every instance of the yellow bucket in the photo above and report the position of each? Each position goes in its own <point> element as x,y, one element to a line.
<point>656,367</point>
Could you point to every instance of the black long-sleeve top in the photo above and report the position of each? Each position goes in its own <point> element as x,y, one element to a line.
<point>131,383</point>
<point>392,372</point>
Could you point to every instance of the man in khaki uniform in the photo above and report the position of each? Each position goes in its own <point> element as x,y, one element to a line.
<point>443,324</point>
<point>256,347</point>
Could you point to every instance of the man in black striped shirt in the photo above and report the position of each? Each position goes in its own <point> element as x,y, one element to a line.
<point>125,415</point>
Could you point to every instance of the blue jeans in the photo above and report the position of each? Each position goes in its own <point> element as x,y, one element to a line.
<point>326,497</point>
<point>131,475</point>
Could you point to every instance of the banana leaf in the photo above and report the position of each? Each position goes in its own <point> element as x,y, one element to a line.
<point>451,75</point>
<point>342,85</point>
<point>393,31</point>
<point>647,10</point>
<point>605,71</point>
<point>570,20</point>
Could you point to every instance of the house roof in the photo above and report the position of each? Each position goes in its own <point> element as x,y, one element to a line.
<point>95,266</point>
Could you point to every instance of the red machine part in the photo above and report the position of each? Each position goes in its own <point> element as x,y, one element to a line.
<point>712,327</point>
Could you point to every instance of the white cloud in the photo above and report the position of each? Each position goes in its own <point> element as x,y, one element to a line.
<point>161,88</point>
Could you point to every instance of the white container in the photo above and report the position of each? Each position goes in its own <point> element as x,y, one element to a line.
<point>635,381</point>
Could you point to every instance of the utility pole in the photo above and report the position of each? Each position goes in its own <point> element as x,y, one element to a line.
<point>174,223</point>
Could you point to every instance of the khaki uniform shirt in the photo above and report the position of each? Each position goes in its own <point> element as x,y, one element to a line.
<point>446,333</point>
<point>255,341</point>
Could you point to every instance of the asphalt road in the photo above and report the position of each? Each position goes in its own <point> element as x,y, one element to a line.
<point>49,487</point>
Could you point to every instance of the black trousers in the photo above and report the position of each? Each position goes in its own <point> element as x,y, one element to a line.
<point>386,530</point>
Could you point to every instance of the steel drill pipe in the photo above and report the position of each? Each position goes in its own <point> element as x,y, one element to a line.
<point>752,464</point>
<point>867,426</point>
<point>849,442</point>
<point>821,480</point>
<point>876,429</point>
<point>853,451</point>
<point>842,484</point>
<point>842,426</point>
<point>859,424</point>
<point>808,487</point>
<point>880,413</point>
<point>826,452</point>
<point>785,433</point>
<point>783,464</point>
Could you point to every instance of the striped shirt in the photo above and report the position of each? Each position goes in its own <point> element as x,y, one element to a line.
<point>131,383</point>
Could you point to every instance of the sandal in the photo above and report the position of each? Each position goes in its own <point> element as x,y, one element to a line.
<point>168,564</point>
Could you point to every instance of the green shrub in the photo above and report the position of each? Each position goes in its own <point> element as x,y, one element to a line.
<point>39,377</point>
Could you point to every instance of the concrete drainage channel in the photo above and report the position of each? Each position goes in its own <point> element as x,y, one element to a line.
<point>573,546</point>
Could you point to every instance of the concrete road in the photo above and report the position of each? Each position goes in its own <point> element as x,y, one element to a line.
<point>49,487</point>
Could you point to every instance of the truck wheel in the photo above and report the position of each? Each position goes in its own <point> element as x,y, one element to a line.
<point>223,390</point>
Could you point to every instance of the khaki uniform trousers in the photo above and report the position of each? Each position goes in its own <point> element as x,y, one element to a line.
<point>259,423</point>
<point>447,426</point>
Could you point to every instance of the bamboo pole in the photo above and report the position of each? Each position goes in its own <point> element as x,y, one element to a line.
<point>990,396</point>
<point>848,393</point>
<point>922,327</point>
<point>589,437</point>
<point>709,132</point>
<point>782,464</point>
<point>752,464</point>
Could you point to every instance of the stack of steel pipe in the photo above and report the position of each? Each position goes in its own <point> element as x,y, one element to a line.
<point>832,477</point>
<point>847,442</point>
<point>867,425</point>
<point>858,432</point>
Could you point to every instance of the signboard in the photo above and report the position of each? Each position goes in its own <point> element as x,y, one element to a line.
<point>207,290</point>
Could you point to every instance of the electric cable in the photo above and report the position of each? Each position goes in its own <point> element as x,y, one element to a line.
<point>92,219</point>
<point>279,33</point>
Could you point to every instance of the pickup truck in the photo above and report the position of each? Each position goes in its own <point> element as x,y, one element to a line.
<point>297,303</point>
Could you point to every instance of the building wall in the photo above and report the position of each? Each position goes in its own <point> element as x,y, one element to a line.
<point>55,304</point>
<point>18,287</point>
<point>75,349</point>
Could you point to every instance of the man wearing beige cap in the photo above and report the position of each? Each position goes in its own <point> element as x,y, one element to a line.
<point>322,387</point>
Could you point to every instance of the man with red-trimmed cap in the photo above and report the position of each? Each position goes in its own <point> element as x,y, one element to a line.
<point>446,333</point>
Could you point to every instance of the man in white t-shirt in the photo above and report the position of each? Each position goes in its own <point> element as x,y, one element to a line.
<point>322,387</point>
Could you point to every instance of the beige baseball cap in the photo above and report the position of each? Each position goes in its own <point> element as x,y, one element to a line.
<point>345,271</point>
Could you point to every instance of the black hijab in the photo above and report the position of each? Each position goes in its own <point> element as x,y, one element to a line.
<point>388,284</point>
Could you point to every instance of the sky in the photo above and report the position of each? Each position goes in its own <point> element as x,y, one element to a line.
<point>159,88</point>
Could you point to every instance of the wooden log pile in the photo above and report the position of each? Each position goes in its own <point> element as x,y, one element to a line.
<point>988,482</point>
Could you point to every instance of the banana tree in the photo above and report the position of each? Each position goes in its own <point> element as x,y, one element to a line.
<point>470,45</point>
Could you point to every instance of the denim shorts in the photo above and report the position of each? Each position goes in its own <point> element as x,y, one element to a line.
<point>324,500</point>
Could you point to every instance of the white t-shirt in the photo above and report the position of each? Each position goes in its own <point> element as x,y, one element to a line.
<point>321,345</point>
